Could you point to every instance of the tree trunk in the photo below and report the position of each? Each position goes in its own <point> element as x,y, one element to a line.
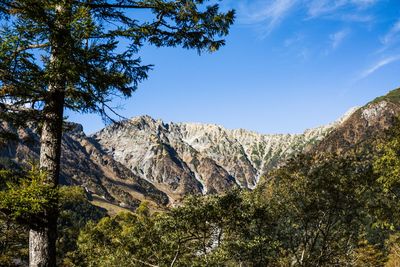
<point>42,241</point>
<point>42,249</point>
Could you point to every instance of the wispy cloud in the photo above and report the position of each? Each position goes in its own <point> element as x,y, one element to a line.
<point>318,8</point>
<point>295,39</point>
<point>378,65</point>
<point>392,34</point>
<point>267,13</point>
<point>337,38</point>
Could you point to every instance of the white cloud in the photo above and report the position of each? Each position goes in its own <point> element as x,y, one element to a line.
<point>378,65</point>
<point>319,7</point>
<point>338,37</point>
<point>355,17</point>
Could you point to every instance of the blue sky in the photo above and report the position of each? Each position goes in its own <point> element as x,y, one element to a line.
<point>288,65</point>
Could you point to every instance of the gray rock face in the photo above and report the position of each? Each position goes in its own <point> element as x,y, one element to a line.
<point>186,158</point>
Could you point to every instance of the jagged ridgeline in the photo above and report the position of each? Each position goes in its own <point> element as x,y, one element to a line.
<point>146,159</point>
<point>185,158</point>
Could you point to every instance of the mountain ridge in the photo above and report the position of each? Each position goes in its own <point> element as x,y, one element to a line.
<point>206,158</point>
<point>144,159</point>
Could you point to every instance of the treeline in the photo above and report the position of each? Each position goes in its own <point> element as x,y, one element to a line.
<point>318,210</point>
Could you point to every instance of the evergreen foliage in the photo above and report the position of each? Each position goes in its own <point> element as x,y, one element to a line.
<point>78,44</point>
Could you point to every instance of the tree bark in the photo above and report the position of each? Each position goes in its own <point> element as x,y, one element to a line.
<point>42,240</point>
<point>42,249</point>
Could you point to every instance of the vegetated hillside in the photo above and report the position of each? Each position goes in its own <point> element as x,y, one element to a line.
<point>365,126</point>
<point>187,158</point>
<point>361,131</point>
<point>337,203</point>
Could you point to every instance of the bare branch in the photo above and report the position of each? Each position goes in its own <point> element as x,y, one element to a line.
<point>33,46</point>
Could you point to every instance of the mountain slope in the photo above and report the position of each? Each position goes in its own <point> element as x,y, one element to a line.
<point>367,124</point>
<point>143,159</point>
<point>187,158</point>
<point>84,163</point>
<point>357,136</point>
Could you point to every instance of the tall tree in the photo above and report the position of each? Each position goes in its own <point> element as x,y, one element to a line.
<point>77,55</point>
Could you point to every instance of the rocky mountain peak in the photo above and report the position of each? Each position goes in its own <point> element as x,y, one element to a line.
<point>182,158</point>
<point>375,110</point>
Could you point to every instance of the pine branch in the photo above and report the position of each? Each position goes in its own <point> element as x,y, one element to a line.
<point>118,6</point>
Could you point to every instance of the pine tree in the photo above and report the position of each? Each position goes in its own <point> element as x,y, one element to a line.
<point>68,54</point>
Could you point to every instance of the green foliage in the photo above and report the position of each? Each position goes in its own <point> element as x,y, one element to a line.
<point>16,217</point>
<point>74,213</point>
<point>204,231</point>
<point>13,243</point>
<point>124,240</point>
<point>28,198</point>
<point>318,204</point>
<point>392,96</point>
<point>388,164</point>
<point>367,255</point>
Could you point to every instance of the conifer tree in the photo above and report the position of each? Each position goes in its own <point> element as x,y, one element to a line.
<point>57,55</point>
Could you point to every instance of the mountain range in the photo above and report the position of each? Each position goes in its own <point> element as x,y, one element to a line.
<point>143,159</point>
